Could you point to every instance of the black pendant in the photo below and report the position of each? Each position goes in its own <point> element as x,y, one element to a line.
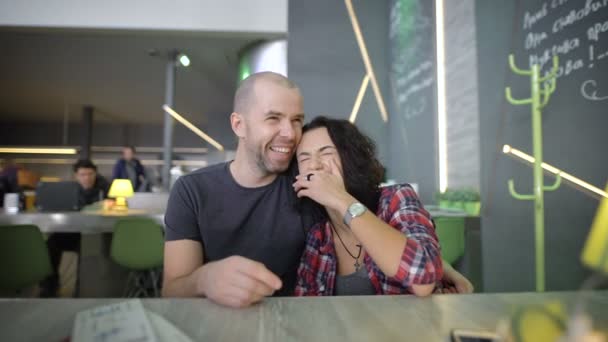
<point>357,264</point>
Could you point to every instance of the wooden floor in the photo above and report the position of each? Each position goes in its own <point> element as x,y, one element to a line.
<point>68,273</point>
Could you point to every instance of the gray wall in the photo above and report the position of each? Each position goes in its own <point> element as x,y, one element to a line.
<point>574,140</point>
<point>324,60</point>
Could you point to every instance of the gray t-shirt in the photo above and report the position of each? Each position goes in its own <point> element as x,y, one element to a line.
<point>262,223</point>
<point>354,284</point>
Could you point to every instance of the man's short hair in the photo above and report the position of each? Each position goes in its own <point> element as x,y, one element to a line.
<point>245,93</point>
<point>132,148</point>
<point>84,164</point>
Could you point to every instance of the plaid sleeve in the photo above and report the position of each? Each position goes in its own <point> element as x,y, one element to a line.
<point>421,259</point>
<point>306,284</point>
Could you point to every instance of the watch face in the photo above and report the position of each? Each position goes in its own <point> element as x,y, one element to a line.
<point>356,209</point>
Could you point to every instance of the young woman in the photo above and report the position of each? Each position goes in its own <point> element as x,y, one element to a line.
<point>372,240</point>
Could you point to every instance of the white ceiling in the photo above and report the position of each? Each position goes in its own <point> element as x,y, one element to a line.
<point>46,73</point>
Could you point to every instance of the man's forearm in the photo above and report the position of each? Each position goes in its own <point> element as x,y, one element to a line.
<point>185,286</point>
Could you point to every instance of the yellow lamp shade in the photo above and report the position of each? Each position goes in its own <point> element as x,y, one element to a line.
<point>121,188</point>
<point>595,253</point>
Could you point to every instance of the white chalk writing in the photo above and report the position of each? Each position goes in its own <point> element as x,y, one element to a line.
<point>575,16</point>
<point>589,91</point>
<point>531,19</point>
<point>593,33</point>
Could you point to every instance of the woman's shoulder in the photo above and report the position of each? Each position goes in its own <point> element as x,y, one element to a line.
<point>403,189</point>
<point>397,196</point>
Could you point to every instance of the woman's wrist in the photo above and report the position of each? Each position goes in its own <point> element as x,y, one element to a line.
<point>342,203</point>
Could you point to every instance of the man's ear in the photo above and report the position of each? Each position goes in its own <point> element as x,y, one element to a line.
<point>237,123</point>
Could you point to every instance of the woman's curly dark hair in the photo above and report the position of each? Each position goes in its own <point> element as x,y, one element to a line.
<point>363,173</point>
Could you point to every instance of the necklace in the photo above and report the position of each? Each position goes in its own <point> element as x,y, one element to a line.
<point>357,264</point>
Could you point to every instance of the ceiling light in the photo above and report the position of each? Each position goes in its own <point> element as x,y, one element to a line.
<point>184,60</point>
<point>36,150</point>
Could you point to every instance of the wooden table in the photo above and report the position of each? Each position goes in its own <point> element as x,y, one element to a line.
<point>100,221</point>
<point>375,318</point>
<point>84,222</point>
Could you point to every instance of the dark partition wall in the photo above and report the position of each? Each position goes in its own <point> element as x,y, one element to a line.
<point>413,89</point>
<point>575,123</point>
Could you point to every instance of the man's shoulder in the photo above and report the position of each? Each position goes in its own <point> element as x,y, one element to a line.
<point>205,173</point>
<point>193,188</point>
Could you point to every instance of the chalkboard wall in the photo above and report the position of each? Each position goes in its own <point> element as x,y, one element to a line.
<point>575,125</point>
<point>577,32</point>
<point>413,109</point>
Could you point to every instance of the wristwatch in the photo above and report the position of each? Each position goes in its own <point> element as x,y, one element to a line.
<point>354,210</point>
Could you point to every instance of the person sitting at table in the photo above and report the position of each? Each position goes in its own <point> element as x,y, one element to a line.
<point>8,178</point>
<point>129,167</point>
<point>373,240</point>
<point>93,188</point>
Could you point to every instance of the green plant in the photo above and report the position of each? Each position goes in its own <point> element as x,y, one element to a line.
<point>439,196</point>
<point>471,195</point>
<point>458,195</point>
<point>448,195</point>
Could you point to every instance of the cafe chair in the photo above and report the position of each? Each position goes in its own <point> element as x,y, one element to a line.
<point>24,258</point>
<point>450,232</point>
<point>137,245</point>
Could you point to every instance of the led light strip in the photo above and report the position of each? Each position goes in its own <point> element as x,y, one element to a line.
<point>441,107</point>
<point>366,60</point>
<point>551,169</point>
<point>360,95</point>
<point>193,128</point>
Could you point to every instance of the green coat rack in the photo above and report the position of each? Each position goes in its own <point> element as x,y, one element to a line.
<point>538,100</point>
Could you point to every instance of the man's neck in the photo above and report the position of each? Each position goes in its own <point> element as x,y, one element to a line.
<point>246,173</point>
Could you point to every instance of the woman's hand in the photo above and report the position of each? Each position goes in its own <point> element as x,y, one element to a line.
<point>325,187</point>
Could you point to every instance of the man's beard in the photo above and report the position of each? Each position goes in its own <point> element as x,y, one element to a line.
<point>266,167</point>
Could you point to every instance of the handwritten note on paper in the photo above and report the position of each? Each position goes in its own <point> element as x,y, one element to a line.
<point>125,321</point>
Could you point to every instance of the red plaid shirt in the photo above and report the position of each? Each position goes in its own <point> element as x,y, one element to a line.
<point>421,263</point>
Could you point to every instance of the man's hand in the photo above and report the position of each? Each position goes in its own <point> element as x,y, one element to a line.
<point>237,281</point>
<point>459,283</point>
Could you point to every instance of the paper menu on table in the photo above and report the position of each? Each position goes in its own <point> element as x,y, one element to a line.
<point>124,321</point>
<point>165,331</point>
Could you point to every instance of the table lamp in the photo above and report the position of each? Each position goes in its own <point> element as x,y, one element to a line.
<point>121,189</point>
